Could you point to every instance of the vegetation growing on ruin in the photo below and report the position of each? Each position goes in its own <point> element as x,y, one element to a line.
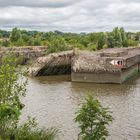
<point>59,41</point>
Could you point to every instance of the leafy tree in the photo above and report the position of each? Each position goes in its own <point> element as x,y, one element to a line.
<point>84,40</point>
<point>37,40</point>
<point>124,37</point>
<point>91,41</point>
<point>110,40</point>
<point>6,43</point>
<point>105,46</point>
<point>92,46</point>
<point>117,37</point>
<point>20,42</point>
<point>15,35</point>
<point>131,42</point>
<point>31,41</point>
<point>25,39</point>
<point>93,119</point>
<point>101,41</point>
<point>57,44</point>
<point>30,131</point>
<point>4,34</point>
<point>1,43</point>
<point>137,37</point>
<point>11,90</point>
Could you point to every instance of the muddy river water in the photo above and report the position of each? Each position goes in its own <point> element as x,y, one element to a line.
<point>54,100</point>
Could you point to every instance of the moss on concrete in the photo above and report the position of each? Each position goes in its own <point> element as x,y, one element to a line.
<point>133,74</point>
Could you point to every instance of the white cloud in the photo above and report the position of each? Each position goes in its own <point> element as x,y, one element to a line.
<point>66,15</point>
<point>38,3</point>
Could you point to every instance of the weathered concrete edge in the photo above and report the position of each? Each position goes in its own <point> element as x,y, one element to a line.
<point>128,74</point>
<point>120,77</point>
<point>96,78</point>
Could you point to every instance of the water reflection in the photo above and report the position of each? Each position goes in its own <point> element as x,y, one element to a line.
<point>54,100</point>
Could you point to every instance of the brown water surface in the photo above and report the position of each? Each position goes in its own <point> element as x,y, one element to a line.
<point>53,100</point>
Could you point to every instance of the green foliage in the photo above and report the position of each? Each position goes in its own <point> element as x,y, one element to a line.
<point>12,89</point>
<point>30,131</point>
<point>124,38</point>
<point>19,42</point>
<point>117,38</point>
<point>23,38</point>
<point>58,41</point>
<point>4,34</point>
<point>31,41</point>
<point>57,44</point>
<point>37,40</point>
<point>15,36</point>
<point>10,93</point>
<point>132,42</point>
<point>101,41</point>
<point>92,47</point>
<point>105,46</point>
<point>93,119</point>
<point>6,43</point>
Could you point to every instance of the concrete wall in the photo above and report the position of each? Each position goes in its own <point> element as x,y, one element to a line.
<point>131,60</point>
<point>119,77</point>
<point>96,78</point>
<point>127,74</point>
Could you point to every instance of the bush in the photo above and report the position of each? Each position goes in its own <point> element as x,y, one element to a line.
<point>131,42</point>
<point>5,43</point>
<point>57,44</point>
<point>105,46</point>
<point>30,131</point>
<point>93,119</point>
<point>11,91</point>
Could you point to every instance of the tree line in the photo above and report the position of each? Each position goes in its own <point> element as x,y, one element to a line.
<point>59,41</point>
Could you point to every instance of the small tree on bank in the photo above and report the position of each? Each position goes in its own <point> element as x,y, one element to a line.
<point>12,89</point>
<point>93,119</point>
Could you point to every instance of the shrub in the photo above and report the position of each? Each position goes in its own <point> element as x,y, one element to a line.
<point>93,119</point>
<point>11,90</point>
<point>131,42</point>
<point>30,131</point>
<point>57,44</point>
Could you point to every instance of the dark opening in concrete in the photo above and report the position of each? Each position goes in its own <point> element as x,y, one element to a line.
<point>55,70</point>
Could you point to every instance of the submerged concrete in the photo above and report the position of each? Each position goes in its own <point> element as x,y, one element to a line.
<point>104,66</point>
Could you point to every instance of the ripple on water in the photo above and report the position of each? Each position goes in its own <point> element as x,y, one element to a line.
<point>54,100</point>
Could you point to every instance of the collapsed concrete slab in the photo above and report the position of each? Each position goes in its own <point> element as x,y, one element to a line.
<point>104,66</point>
<point>52,64</point>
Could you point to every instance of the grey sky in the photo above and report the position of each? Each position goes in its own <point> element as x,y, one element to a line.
<point>70,15</point>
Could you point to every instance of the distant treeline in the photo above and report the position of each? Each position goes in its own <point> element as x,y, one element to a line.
<point>59,41</point>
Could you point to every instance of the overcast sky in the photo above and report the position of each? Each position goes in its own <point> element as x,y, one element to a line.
<point>70,15</point>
